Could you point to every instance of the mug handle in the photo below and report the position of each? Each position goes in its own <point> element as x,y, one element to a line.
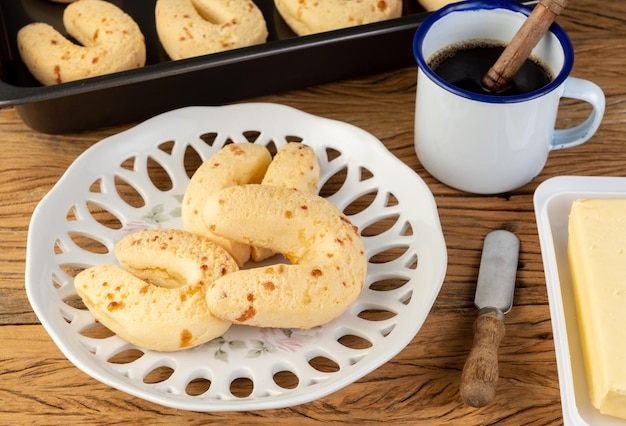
<point>585,90</point>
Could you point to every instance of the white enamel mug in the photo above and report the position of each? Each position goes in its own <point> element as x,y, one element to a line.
<point>492,144</point>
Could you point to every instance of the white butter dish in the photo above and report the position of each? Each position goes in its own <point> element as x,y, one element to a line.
<point>552,201</point>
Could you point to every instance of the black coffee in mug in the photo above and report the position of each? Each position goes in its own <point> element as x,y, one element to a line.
<point>464,64</point>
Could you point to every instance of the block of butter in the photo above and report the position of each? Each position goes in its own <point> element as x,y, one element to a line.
<point>597,256</point>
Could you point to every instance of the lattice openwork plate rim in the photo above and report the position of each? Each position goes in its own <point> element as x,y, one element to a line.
<point>403,285</point>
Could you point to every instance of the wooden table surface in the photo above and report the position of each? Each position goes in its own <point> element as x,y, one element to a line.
<point>38,385</point>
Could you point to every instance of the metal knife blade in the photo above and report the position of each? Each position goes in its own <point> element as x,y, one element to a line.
<point>493,298</point>
<point>498,268</point>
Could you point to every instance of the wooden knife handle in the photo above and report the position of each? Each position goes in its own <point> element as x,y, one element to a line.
<point>480,373</point>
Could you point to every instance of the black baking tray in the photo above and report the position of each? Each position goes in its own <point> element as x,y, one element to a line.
<point>285,62</point>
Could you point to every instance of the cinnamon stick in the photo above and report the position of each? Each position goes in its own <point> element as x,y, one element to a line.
<point>518,50</point>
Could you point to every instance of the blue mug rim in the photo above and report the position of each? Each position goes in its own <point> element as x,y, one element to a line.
<point>432,18</point>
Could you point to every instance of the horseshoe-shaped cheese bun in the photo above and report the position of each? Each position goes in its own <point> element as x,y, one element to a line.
<point>133,304</point>
<point>189,28</point>
<point>111,41</point>
<point>311,16</point>
<point>234,164</point>
<point>295,165</point>
<point>432,5</point>
<point>328,267</point>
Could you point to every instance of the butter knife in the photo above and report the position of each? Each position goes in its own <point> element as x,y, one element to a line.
<point>493,298</point>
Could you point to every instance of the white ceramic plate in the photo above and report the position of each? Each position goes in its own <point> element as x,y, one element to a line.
<point>403,286</point>
<point>553,200</point>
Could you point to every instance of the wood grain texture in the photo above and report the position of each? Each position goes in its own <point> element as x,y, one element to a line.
<point>480,373</point>
<point>420,385</point>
